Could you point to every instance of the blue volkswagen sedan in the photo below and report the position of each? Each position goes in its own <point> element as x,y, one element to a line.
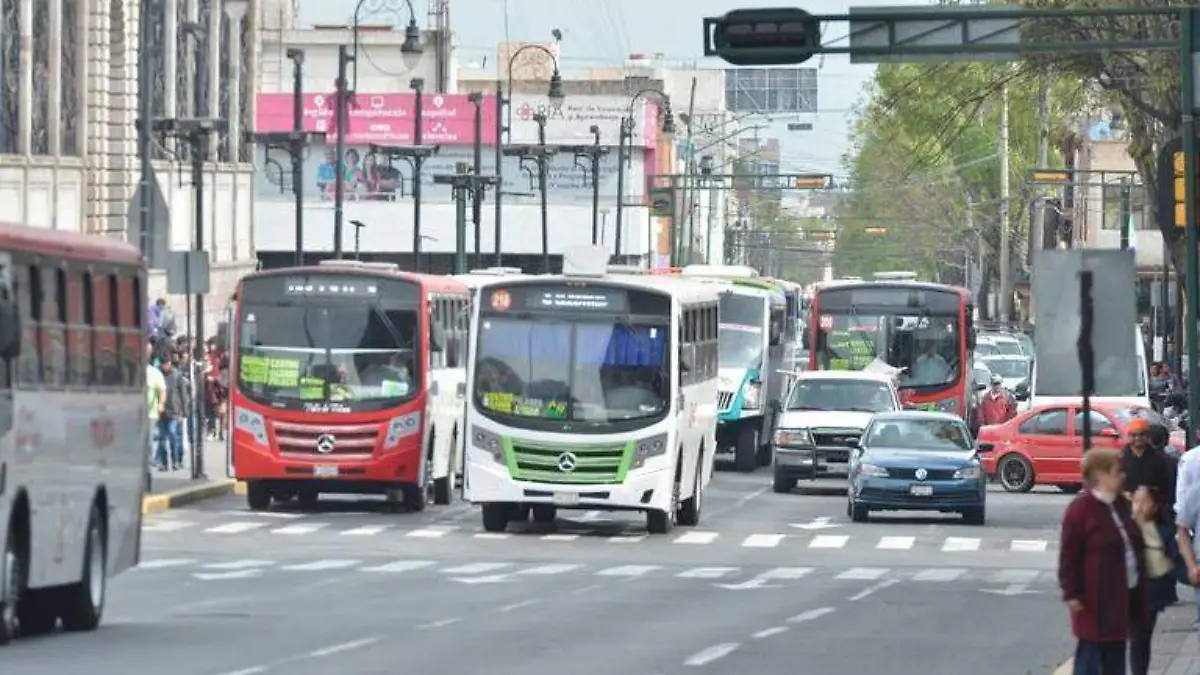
<point>917,461</point>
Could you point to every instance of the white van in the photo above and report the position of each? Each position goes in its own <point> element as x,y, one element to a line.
<point>1140,397</point>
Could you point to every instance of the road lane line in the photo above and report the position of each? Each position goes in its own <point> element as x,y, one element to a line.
<point>560,537</point>
<point>811,615</point>
<point>707,656</point>
<point>896,543</point>
<point>627,571</point>
<point>253,670</point>
<point>870,590</point>
<point>769,632</point>
<point>706,572</point>
<point>365,531</point>
<point>343,647</point>
<point>428,533</point>
<point>321,565</point>
<point>399,566</point>
<point>829,541</point>
<point>235,528</point>
<point>164,562</point>
<point>517,605</point>
<point>696,538</point>
<point>961,544</point>
<point>863,574</point>
<point>299,528</point>
<point>476,568</point>
<point>440,623</point>
<point>939,574</point>
<point>1029,545</point>
<point>762,541</point>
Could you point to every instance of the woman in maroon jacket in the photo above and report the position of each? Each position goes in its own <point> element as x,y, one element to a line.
<point>1099,568</point>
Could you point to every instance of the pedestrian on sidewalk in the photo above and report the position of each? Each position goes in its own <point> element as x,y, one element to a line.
<point>1146,465</point>
<point>1099,567</point>
<point>156,399</point>
<point>1159,561</point>
<point>1187,477</point>
<point>170,446</point>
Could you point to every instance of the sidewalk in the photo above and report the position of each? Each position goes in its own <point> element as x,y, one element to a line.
<point>1176,648</point>
<point>176,488</point>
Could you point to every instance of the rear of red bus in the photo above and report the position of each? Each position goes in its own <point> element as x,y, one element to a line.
<point>922,329</point>
<point>325,376</point>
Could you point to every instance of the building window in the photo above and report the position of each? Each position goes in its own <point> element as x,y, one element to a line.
<point>228,72</point>
<point>10,70</point>
<point>71,47</point>
<point>183,66</point>
<point>1110,217</point>
<point>39,140</point>
<point>158,75</point>
<point>245,88</point>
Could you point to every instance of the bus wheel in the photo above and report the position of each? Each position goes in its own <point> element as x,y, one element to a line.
<point>443,488</point>
<point>309,499</point>
<point>689,510</point>
<point>83,602</point>
<point>746,451</point>
<point>415,498</point>
<point>258,495</point>
<point>660,522</point>
<point>12,586</point>
<point>495,517</point>
<point>544,514</point>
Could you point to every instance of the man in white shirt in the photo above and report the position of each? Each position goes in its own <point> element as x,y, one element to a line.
<point>1187,477</point>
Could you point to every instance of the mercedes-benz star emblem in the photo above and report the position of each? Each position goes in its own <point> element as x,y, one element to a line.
<point>566,462</point>
<point>921,474</point>
<point>325,443</point>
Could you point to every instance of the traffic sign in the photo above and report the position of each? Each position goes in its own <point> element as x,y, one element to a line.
<point>1170,184</point>
<point>1052,176</point>
<point>811,182</point>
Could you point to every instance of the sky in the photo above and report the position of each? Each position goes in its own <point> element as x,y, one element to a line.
<point>604,33</point>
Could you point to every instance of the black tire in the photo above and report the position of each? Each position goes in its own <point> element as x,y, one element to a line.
<point>310,500</point>
<point>660,522</point>
<point>1015,473</point>
<point>544,514</point>
<point>746,449</point>
<point>858,513</point>
<point>782,483</point>
<point>38,613</point>
<point>443,488</point>
<point>495,517</point>
<point>258,496</point>
<point>83,602</point>
<point>690,509</point>
<point>975,516</point>
<point>14,571</point>
<point>415,498</point>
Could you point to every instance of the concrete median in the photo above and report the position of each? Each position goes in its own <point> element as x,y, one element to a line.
<point>156,503</point>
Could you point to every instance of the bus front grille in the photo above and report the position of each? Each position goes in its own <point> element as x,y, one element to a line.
<point>307,439</point>
<point>724,401</point>
<point>569,464</point>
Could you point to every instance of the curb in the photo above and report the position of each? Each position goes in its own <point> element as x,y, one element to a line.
<point>1066,668</point>
<point>190,495</point>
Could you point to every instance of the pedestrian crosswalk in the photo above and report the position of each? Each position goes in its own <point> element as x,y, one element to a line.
<point>732,577</point>
<point>566,535</point>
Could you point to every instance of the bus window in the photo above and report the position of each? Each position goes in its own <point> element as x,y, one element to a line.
<point>54,319</point>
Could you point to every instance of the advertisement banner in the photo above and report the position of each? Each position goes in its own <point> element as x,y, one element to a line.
<point>385,119</point>
<point>571,125</point>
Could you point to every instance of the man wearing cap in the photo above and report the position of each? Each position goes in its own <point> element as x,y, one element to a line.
<point>1146,465</point>
<point>998,405</point>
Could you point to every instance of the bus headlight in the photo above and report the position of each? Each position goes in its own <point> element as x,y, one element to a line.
<point>752,396</point>
<point>650,447</point>
<point>251,423</point>
<point>793,438</point>
<point>402,427</point>
<point>488,442</point>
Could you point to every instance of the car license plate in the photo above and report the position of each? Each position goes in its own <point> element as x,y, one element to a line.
<point>566,498</point>
<point>921,490</point>
<point>325,471</point>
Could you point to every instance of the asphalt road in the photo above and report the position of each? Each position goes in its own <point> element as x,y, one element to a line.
<point>768,583</point>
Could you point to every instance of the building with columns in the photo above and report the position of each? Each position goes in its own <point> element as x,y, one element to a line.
<point>68,110</point>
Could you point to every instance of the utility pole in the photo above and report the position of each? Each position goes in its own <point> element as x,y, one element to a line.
<point>1123,211</point>
<point>592,154</point>
<point>540,155</point>
<point>1038,225</point>
<point>464,183</point>
<point>476,100</point>
<point>1005,240</point>
<point>341,123</point>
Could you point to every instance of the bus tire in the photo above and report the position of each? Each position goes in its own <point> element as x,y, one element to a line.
<point>495,517</point>
<point>258,495</point>
<point>443,488</point>
<point>310,499</point>
<point>544,514</point>
<point>660,522</point>
<point>746,450</point>
<point>415,498</point>
<point>83,602</point>
<point>690,509</point>
<point>12,582</point>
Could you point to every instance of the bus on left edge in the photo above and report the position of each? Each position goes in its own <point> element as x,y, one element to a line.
<point>348,378</point>
<point>74,429</point>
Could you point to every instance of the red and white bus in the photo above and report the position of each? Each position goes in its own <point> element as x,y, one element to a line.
<point>348,378</point>
<point>74,442</point>
<point>922,329</point>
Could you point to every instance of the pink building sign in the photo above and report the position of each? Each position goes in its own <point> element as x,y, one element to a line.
<point>384,119</point>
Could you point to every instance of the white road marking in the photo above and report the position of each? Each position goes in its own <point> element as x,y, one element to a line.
<point>165,525</point>
<point>627,571</point>
<point>298,529</point>
<point>787,573</point>
<point>264,514</point>
<point>707,656</point>
<point>762,540</point>
<point>1029,545</point>
<point>239,565</point>
<point>517,605</point>
<point>896,543</point>
<point>344,647</point>
<point>440,623</point>
<point>1015,577</point>
<point>696,538</point>
<point>235,528</point>
<point>400,566</point>
<point>476,568</point>
<point>863,573</point>
<point>939,574</point>
<point>220,576</point>
<point>769,632</point>
<point>829,541</point>
<point>632,539</point>
<point>492,535</point>
<point>321,565</point>
<point>560,537</point>
<point>811,615</point>
<point>706,572</point>
<point>961,544</point>
<point>366,530</point>
<point>428,533</point>
<point>547,570</point>
<point>164,562</point>
<point>253,670</point>
<point>869,590</point>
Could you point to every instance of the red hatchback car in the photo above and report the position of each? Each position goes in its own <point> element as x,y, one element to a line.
<point>1044,445</point>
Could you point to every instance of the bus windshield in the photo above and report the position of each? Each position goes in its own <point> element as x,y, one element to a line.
<point>741,341</point>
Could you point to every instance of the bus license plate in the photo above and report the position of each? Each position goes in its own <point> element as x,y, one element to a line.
<point>921,490</point>
<point>325,471</point>
<point>566,498</point>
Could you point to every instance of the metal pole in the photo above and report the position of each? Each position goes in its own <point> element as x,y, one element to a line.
<point>145,76</point>
<point>620,186</point>
<point>339,185</point>
<point>1123,208</point>
<point>1005,235</point>
<point>499,170</point>
<point>1164,298</point>
<point>1087,357</point>
<point>596,152</point>
<point>198,141</point>
<point>477,189</point>
<point>1188,92</point>
<point>298,152</point>
<point>418,87</point>
<point>542,158</point>
<point>461,193</point>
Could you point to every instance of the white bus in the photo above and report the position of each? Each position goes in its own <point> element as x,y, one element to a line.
<point>590,390</point>
<point>73,425</point>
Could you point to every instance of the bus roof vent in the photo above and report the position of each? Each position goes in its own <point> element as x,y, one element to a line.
<point>587,260</point>
<point>626,269</point>
<point>498,271</point>
<point>382,266</point>
<point>721,271</point>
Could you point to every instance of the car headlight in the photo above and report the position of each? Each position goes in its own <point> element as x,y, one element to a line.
<point>402,427</point>
<point>793,438</point>
<point>650,447</point>
<point>488,442</point>
<point>872,471</point>
<point>751,395</point>
<point>251,423</point>
<point>968,473</point>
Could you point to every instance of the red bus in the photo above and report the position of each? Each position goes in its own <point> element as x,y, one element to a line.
<point>347,378</point>
<point>922,329</point>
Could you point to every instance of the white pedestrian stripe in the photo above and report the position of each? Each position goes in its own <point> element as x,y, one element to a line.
<point>1029,545</point>
<point>400,566</point>
<point>492,535</point>
<point>165,525</point>
<point>321,565</point>
<point>706,572</point>
<point>626,539</point>
<point>896,543</point>
<point>428,533</point>
<point>940,574</point>
<point>697,538</point>
<point>1015,576</point>
<point>216,576</point>
<point>365,531</point>
<point>477,568</point>
<point>298,529</point>
<point>560,537</point>
<point>961,544</point>
<point>863,574</point>
<point>164,562</point>
<point>707,656</point>
<point>235,528</point>
<point>829,541</point>
<point>787,573</point>
<point>547,570</point>
<point>762,540</point>
<point>239,565</point>
<point>627,571</point>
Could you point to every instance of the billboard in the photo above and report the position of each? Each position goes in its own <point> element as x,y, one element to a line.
<point>386,119</point>
<point>771,90</point>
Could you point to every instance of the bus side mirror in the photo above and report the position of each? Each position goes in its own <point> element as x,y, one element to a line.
<point>687,358</point>
<point>776,334</point>
<point>437,337</point>
<point>10,330</point>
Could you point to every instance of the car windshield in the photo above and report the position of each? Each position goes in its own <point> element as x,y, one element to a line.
<point>935,435</point>
<point>741,341</point>
<point>1008,347</point>
<point>986,349</point>
<point>1008,368</point>
<point>925,346</point>
<point>847,394</point>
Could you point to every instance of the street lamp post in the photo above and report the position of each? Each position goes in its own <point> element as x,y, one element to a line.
<point>593,154</point>
<point>415,156</point>
<point>624,151</point>
<point>476,100</point>
<point>417,85</point>
<point>341,99</point>
<point>464,182</point>
<point>540,155</point>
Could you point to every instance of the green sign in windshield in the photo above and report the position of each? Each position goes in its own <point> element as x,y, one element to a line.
<point>854,350</point>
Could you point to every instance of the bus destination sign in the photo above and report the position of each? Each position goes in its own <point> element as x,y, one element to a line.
<point>576,299</point>
<point>337,286</point>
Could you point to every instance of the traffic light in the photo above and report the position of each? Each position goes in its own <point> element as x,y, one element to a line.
<point>1171,184</point>
<point>762,37</point>
<point>817,182</point>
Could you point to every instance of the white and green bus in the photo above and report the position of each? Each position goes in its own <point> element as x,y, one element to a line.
<point>591,390</point>
<point>756,344</point>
